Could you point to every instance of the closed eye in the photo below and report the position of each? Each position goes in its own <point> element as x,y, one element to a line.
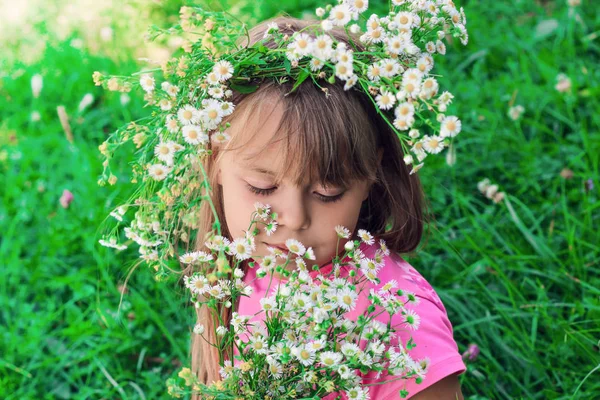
<point>321,197</point>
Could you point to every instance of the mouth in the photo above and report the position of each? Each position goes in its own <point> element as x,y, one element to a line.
<point>279,246</point>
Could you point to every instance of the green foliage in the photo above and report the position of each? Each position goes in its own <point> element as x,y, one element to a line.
<point>518,278</point>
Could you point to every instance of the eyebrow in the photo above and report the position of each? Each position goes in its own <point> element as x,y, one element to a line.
<point>262,171</point>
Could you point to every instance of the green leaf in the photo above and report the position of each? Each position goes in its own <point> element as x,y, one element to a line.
<point>245,89</point>
<point>301,78</point>
<point>287,65</point>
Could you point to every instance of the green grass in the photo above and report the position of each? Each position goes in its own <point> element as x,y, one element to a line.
<point>520,278</point>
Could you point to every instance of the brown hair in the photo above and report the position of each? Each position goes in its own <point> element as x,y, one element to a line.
<point>334,138</point>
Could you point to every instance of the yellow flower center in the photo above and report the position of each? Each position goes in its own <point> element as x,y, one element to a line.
<point>450,125</point>
<point>212,114</point>
<point>187,114</point>
<point>305,355</point>
<point>193,134</point>
<point>404,20</point>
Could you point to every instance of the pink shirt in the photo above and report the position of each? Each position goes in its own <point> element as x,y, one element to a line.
<point>434,338</point>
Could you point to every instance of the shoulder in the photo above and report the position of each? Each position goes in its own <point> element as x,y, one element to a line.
<point>429,328</point>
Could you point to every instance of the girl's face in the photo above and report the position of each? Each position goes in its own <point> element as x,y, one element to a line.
<point>307,213</point>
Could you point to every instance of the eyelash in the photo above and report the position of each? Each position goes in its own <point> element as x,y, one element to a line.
<point>266,192</point>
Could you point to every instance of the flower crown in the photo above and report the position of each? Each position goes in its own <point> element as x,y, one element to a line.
<point>391,63</point>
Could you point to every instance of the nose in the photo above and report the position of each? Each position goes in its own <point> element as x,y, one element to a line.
<point>293,213</point>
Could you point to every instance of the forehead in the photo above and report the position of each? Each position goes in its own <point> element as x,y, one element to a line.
<point>258,142</point>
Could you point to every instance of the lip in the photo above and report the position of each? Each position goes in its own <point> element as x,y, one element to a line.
<point>279,246</point>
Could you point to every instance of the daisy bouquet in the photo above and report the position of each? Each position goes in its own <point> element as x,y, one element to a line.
<point>304,347</point>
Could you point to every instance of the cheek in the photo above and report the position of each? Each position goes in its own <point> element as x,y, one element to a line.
<point>238,206</point>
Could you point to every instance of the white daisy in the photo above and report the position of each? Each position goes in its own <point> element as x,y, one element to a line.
<point>344,56</point>
<point>440,47</point>
<point>330,358</point>
<point>350,349</point>
<point>211,114</point>
<point>385,100</point>
<point>147,82</point>
<point>430,47</point>
<point>198,284</point>
<point>188,258</point>
<point>389,68</point>
<point>227,108</point>
<point>241,249</point>
<point>451,127</point>
<point>405,110</point>
<point>323,47</point>
<point>316,64</point>
<point>295,246</point>
<point>212,79</point>
<point>342,232</point>
<point>305,355</point>
<point>221,330</point>
<point>216,92</point>
<point>351,82</point>
<point>340,15</point>
<point>347,299</point>
<point>193,134</point>
<point>411,319</point>
<point>158,172</point>
<point>310,254</point>
<point>216,291</point>
<point>268,304</point>
<point>374,72</point>
<point>326,25</point>
<point>172,90</point>
<point>344,71</point>
<point>303,44</point>
<point>165,151</point>
<point>398,43</point>
<point>366,237</point>
<point>171,124</point>
<point>358,6</point>
<point>272,27</point>
<point>413,75</point>
<point>376,35</point>
<point>405,20</point>
<point>275,369</point>
<point>199,329</point>
<point>268,262</point>
<point>411,88</point>
<point>188,115</point>
<point>384,248</point>
<point>165,104</point>
<point>223,70</point>
<point>416,168</point>
<point>271,227</point>
<point>433,144</point>
<point>429,88</point>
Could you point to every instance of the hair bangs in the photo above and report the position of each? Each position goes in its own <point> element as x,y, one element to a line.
<point>326,139</point>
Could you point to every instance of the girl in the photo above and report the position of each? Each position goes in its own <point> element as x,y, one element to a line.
<point>321,156</point>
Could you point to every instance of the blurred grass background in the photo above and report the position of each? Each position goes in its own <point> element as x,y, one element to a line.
<point>520,278</point>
